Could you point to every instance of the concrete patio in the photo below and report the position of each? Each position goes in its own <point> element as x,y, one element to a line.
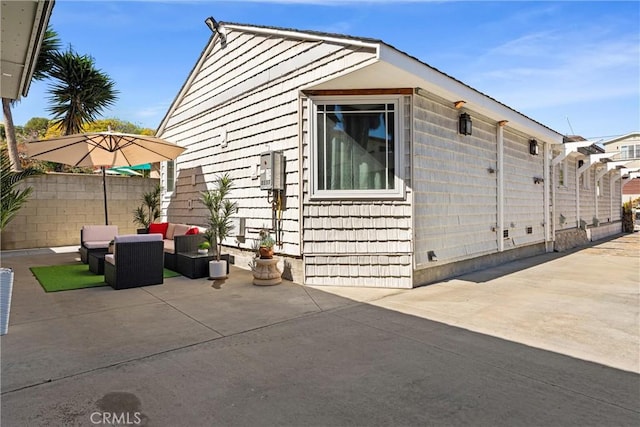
<point>202,352</point>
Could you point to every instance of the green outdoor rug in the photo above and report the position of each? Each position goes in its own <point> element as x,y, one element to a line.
<point>65,277</point>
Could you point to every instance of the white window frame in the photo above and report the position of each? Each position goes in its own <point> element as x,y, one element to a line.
<point>562,172</point>
<point>398,192</point>
<point>165,178</point>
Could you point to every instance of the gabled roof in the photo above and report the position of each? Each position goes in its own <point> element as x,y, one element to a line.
<point>620,138</point>
<point>391,68</point>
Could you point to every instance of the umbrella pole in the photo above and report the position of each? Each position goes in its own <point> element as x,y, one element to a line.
<point>104,189</point>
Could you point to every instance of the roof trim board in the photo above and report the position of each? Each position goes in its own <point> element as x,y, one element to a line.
<point>406,70</point>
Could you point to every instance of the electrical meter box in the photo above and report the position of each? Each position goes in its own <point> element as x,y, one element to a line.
<point>272,170</point>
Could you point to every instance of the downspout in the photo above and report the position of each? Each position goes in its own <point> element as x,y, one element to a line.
<point>547,206</point>
<point>500,185</point>
<point>301,101</point>
<point>578,197</point>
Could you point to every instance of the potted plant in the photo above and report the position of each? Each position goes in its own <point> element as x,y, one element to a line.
<point>221,209</point>
<point>12,200</point>
<point>203,248</point>
<point>148,211</point>
<point>266,244</point>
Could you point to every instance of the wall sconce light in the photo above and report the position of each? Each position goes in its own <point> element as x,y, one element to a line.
<point>431,256</point>
<point>464,124</point>
<point>580,163</point>
<point>533,147</point>
<point>537,180</point>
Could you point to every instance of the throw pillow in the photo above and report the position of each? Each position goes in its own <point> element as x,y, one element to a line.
<point>159,228</point>
<point>192,230</point>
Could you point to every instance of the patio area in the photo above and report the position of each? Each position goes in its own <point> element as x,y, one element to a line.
<point>86,329</point>
<point>203,352</point>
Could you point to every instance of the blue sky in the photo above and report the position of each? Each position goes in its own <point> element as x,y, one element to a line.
<point>573,66</point>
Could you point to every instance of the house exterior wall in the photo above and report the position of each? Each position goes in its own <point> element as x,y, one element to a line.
<point>587,197</point>
<point>458,212</point>
<point>247,97</point>
<point>524,198</point>
<point>357,243</point>
<point>454,194</point>
<point>565,195</point>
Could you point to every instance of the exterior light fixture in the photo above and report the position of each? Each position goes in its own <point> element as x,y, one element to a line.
<point>533,147</point>
<point>215,28</point>
<point>464,124</point>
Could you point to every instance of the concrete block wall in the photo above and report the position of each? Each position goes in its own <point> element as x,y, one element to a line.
<point>61,204</point>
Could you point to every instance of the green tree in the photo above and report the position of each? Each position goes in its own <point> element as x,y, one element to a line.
<point>36,127</point>
<point>12,198</point>
<point>50,45</point>
<point>79,91</point>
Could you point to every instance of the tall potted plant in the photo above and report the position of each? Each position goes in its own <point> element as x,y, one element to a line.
<point>221,209</point>
<point>12,200</point>
<point>148,211</point>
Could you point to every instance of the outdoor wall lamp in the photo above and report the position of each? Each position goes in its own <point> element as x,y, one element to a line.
<point>533,147</point>
<point>215,28</point>
<point>464,124</point>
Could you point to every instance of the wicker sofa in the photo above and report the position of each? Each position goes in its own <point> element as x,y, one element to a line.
<point>95,238</point>
<point>137,260</point>
<point>177,238</point>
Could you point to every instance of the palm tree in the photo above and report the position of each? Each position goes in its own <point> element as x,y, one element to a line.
<point>79,92</point>
<point>50,44</point>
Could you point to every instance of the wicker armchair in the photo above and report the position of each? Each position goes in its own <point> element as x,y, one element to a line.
<point>95,239</point>
<point>137,261</point>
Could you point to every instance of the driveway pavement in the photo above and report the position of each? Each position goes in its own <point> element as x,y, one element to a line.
<point>584,303</point>
<point>203,353</point>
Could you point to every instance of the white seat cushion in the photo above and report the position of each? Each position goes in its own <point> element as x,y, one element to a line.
<point>110,258</point>
<point>180,230</point>
<point>169,246</point>
<point>100,244</point>
<point>99,233</point>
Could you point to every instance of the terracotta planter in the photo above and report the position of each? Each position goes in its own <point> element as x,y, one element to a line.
<point>266,253</point>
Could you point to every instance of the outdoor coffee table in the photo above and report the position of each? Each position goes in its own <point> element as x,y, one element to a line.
<point>193,264</point>
<point>96,262</point>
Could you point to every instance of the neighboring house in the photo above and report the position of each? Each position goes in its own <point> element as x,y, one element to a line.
<point>631,191</point>
<point>395,174</point>
<point>627,148</point>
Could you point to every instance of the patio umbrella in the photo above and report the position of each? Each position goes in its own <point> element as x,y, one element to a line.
<point>104,149</point>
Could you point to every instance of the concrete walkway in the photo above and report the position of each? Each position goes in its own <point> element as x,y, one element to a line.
<point>584,303</point>
<point>227,353</point>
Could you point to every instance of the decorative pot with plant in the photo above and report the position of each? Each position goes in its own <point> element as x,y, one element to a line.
<point>221,209</point>
<point>266,244</point>
<point>148,211</point>
<point>203,248</point>
<point>12,200</point>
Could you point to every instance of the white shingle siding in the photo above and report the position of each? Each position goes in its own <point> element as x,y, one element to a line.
<point>250,90</point>
<point>565,197</point>
<point>253,94</point>
<point>454,193</point>
<point>357,243</point>
<point>524,199</point>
